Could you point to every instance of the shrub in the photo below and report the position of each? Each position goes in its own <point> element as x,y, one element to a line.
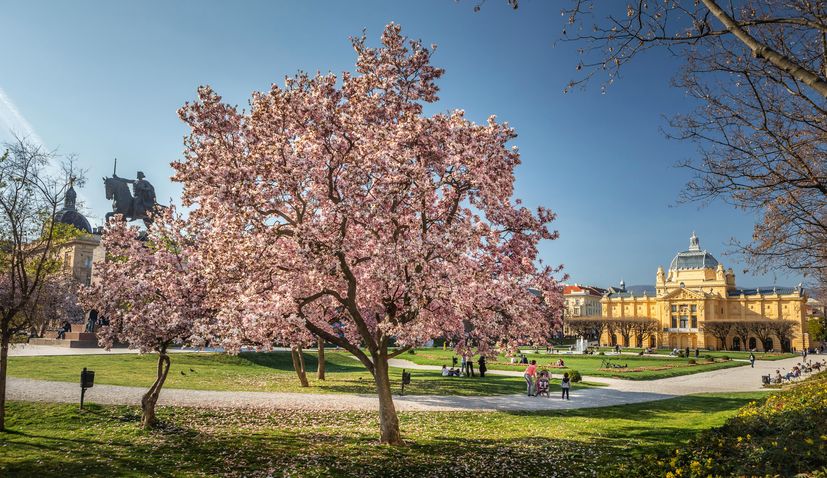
<point>575,376</point>
<point>725,358</point>
<point>692,362</point>
<point>412,352</point>
<point>601,353</point>
<point>781,435</point>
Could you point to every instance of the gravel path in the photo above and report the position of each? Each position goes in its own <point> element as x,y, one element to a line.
<point>617,392</point>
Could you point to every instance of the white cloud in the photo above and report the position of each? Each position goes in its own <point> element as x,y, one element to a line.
<point>13,122</point>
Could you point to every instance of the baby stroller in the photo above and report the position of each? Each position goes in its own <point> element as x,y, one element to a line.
<point>542,384</point>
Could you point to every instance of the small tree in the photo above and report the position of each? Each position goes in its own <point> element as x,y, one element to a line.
<point>153,293</point>
<point>644,328</point>
<point>742,330</point>
<point>784,330</point>
<point>55,301</point>
<point>589,327</point>
<point>817,328</point>
<point>366,220</point>
<point>29,239</point>
<point>625,327</point>
<point>719,329</point>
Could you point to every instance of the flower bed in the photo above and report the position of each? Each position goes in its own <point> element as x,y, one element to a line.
<point>783,435</point>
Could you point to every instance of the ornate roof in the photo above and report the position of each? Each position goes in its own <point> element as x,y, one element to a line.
<point>70,215</point>
<point>694,258</point>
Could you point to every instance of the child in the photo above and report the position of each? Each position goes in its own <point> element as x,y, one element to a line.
<point>565,385</point>
<point>542,383</point>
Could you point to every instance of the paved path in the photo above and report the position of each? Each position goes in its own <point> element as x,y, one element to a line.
<point>616,392</point>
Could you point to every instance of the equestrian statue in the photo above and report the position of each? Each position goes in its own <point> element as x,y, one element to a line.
<point>141,205</point>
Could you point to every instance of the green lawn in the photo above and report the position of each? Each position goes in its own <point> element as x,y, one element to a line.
<point>733,354</point>
<point>253,371</point>
<point>50,440</point>
<point>638,368</point>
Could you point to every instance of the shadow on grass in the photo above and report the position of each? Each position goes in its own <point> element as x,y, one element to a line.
<point>312,452</point>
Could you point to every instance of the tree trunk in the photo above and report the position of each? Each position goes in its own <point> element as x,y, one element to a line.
<point>151,397</point>
<point>298,365</point>
<point>320,366</point>
<point>388,421</point>
<point>4,361</point>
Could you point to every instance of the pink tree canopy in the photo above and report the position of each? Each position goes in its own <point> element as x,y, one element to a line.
<point>150,289</point>
<point>338,207</point>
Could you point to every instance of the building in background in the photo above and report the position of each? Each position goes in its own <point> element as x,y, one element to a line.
<point>78,255</point>
<point>697,304</point>
<point>582,300</point>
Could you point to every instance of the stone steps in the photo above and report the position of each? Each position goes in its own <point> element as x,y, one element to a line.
<point>74,344</point>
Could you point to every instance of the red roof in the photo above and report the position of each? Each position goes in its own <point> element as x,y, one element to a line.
<point>576,288</point>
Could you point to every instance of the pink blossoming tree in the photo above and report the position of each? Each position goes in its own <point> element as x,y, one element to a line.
<point>153,293</point>
<point>346,212</point>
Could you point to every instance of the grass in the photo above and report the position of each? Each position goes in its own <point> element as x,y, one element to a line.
<point>253,371</point>
<point>638,368</point>
<point>733,354</point>
<point>46,440</point>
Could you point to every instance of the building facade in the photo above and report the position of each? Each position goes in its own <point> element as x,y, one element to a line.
<point>79,253</point>
<point>696,295</point>
<point>582,300</point>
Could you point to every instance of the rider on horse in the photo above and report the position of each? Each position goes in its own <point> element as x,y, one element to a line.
<point>144,198</point>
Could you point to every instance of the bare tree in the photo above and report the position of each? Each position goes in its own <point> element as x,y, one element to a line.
<point>762,330</point>
<point>719,329</point>
<point>783,330</point>
<point>589,327</point>
<point>758,69</point>
<point>29,198</point>
<point>742,330</point>
<point>644,328</point>
<point>625,327</point>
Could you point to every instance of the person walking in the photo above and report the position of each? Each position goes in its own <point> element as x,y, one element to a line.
<point>530,376</point>
<point>752,360</point>
<point>483,368</point>
<point>565,385</point>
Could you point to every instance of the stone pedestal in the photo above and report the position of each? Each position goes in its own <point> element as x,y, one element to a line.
<point>77,338</point>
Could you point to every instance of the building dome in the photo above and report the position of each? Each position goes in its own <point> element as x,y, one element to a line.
<point>70,215</point>
<point>694,258</point>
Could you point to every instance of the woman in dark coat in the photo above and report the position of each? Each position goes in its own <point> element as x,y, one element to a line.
<point>483,368</point>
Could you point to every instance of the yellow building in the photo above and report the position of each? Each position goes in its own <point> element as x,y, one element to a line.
<point>697,298</point>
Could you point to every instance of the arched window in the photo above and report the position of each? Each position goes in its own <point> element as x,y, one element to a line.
<point>736,343</point>
<point>752,343</point>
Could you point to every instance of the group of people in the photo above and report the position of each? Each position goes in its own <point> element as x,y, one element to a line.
<point>797,370</point>
<point>537,383</point>
<point>466,369</point>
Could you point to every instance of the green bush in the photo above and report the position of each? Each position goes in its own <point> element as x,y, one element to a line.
<point>575,376</point>
<point>782,435</point>
<point>412,352</point>
<point>725,357</point>
<point>692,362</point>
<point>601,353</point>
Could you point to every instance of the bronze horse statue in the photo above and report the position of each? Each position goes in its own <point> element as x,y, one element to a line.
<point>129,207</point>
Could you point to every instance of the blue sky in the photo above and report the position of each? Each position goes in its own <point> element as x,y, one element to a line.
<point>104,79</point>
